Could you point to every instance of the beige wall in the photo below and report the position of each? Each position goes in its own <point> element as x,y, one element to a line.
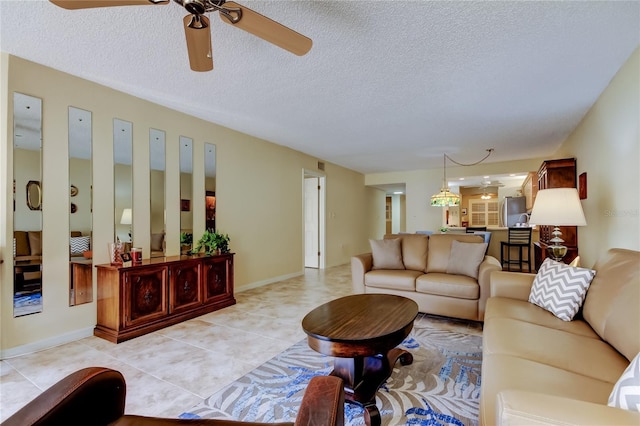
<point>258,189</point>
<point>606,146</point>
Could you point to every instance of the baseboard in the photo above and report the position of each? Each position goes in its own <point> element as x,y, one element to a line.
<point>48,343</point>
<point>269,281</point>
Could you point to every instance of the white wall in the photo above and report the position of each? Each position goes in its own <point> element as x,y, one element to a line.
<point>606,146</point>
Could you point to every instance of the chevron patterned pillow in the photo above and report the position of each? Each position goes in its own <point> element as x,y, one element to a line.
<point>560,288</point>
<point>626,392</point>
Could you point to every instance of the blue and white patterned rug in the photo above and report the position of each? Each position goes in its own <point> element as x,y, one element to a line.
<point>441,387</point>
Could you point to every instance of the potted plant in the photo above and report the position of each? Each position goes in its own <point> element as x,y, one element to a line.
<point>443,229</point>
<point>212,242</point>
<point>186,242</point>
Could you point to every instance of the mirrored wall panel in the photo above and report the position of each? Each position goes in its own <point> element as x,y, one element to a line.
<point>27,205</point>
<point>123,181</point>
<point>210,185</point>
<point>80,207</point>
<point>157,164</point>
<point>186,191</point>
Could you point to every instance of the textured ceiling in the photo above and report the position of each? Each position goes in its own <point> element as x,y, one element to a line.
<point>387,86</point>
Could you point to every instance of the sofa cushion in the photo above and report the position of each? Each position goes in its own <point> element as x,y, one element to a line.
<point>571,352</point>
<point>22,243</point>
<point>440,249</point>
<point>157,242</point>
<point>392,279</point>
<point>626,392</point>
<point>522,310</point>
<point>611,306</point>
<point>387,254</point>
<point>560,288</point>
<point>465,258</point>
<point>35,243</point>
<point>442,284</point>
<point>78,245</point>
<point>508,372</point>
<point>414,250</point>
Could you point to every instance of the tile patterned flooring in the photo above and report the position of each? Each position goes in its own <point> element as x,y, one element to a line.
<point>172,370</point>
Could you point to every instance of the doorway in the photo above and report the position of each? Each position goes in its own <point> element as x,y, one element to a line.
<point>313,213</point>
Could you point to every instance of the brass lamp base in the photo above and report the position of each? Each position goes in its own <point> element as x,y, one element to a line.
<point>557,252</point>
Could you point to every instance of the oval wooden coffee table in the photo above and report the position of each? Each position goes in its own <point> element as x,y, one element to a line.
<point>362,332</point>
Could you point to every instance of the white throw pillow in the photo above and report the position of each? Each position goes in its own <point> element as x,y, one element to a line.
<point>465,258</point>
<point>80,244</point>
<point>387,254</point>
<point>626,392</point>
<point>560,288</point>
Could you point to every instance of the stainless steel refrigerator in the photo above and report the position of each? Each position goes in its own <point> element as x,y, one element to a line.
<point>513,211</point>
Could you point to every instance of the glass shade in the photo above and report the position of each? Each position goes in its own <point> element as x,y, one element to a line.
<point>445,198</point>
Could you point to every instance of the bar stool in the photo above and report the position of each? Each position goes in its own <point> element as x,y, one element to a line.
<point>519,238</point>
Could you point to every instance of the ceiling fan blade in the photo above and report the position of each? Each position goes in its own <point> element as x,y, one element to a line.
<point>88,4</point>
<point>265,28</point>
<point>198,33</point>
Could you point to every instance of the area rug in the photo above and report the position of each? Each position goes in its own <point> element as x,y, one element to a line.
<point>440,387</point>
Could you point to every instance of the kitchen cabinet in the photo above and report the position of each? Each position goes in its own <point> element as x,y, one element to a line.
<point>530,189</point>
<point>155,293</point>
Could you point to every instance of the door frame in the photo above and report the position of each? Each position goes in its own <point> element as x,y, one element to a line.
<point>321,215</point>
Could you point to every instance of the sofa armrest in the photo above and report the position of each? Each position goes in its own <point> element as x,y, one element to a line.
<point>514,285</point>
<point>95,394</point>
<point>488,265</point>
<point>360,265</point>
<point>531,408</point>
<point>322,403</point>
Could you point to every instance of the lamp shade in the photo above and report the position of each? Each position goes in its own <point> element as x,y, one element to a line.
<point>557,207</point>
<point>126,217</point>
<point>445,198</point>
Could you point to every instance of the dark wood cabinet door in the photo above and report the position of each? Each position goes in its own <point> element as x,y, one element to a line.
<point>218,278</point>
<point>145,291</point>
<point>184,286</point>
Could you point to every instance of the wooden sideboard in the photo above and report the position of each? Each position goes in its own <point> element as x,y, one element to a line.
<point>144,297</point>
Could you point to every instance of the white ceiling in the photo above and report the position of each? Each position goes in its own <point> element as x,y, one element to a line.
<point>387,86</point>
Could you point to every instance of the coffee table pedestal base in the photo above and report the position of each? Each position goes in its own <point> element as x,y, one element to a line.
<point>363,376</point>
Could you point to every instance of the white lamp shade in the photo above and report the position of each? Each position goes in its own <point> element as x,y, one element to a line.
<point>558,207</point>
<point>126,217</point>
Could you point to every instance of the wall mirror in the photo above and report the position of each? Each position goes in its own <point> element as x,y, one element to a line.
<point>80,207</point>
<point>186,192</point>
<point>157,162</point>
<point>123,181</point>
<point>27,205</point>
<point>210,185</point>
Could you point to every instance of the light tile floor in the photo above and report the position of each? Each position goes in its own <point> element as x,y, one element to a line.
<point>171,370</point>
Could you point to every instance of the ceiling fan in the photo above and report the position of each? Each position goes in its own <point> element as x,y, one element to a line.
<point>196,25</point>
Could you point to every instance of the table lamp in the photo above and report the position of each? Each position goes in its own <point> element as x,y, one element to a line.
<point>126,219</point>
<point>557,207</point>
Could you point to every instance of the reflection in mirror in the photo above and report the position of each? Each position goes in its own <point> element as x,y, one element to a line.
<point>210,185</point>
<point>80,207</point>
<point>34,195</point>
<point>157,178</point>
<point>186,190</point>
<point>123,181</point>
<point>27,221</point>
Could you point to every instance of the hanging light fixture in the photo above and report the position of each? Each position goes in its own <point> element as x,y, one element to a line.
<point>446,198</point>
<point>485,196</point>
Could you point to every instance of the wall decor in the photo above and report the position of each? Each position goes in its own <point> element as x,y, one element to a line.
<point>185,205</point>
<point>34,195</point>
<point>582,186</point>
<point>74,208</point>
<point>74,190</point>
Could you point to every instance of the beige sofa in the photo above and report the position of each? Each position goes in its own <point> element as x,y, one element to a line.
<point>424,277</point>
<point>538,369</point>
